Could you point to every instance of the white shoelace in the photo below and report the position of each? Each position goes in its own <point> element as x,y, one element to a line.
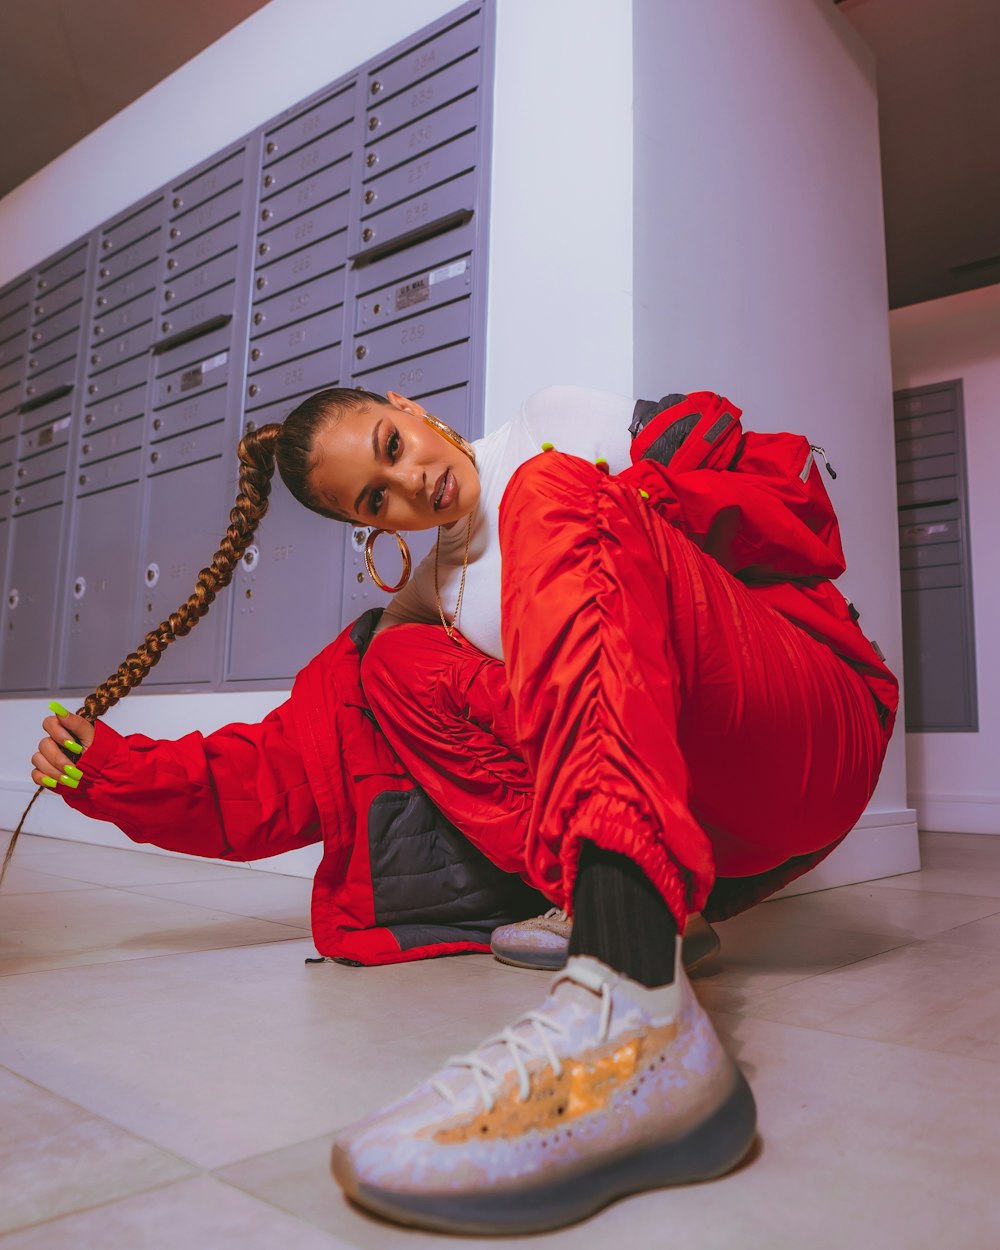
<point>555,913</point>
<point>539,1046</point>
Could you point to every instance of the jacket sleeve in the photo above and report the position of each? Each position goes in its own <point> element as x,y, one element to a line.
<point>241,792</point>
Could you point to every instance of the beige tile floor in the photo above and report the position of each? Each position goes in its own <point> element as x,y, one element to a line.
<point>172,1073</point>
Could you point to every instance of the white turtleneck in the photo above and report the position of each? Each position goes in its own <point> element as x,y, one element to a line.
<point>583,422</point>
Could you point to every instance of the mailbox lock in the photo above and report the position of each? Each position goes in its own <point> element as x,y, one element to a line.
<point>174,232</point>
<point>251,426</point>
<point>376,87</point>
<point>371,159</point>
<point>101,301</point>
<point>79,588</point>
<point>268,180</point>
<point>33,364</point>
<point>258,318</point>
<point>178,202</point>
<point>92,389</point>
<point>361,579</point>
<point>42,284</point>
<point>36,336</point>
<point>272,147</point>
<point>88,419</point>
<point>367,234</point>
<point>373,122</point>
<point>87,449</point>
<point>39,310</point>
<point>152,575</point>
<point>154,456</point>
<point>251,558</point>
<point>95,359</point>
<point>369,196</point>
<point>264,248</point>
<point>361,352</point>
<point>98,331</point>
<point>172,262</point>
<point>265,214</point>
<point>376,309</point>
<point>252,389</point>
<point>165,325</point>
<point>105,272</point>
<point>168,295</point>
<point>18,500</point>
<point>260,284</point>
<point>22,471</point>
<point>157,423</point>
<point>14,598</point>
<point>82,479</point>
<point>359,536</point>
<point>255,354</point>
<point>107,245</point>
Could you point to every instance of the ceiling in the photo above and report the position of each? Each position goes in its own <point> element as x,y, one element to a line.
<point>66,66</point>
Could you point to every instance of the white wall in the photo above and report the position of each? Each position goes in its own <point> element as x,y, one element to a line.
<point>953,777</point>
<point>760,274</point>
<point>559,308</point>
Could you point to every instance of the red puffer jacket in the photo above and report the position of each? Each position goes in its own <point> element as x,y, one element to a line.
<point>396,882</point>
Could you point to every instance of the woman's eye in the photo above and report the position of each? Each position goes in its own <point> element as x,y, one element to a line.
<point>392,446</point>
<point>375,500</point>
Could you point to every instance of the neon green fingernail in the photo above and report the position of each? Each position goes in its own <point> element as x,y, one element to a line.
<point>58,709</point>
<point>49,781</point>
<point>75,747</point>
<point>548,447</point>
<point>72,782</point>
<point>643,494</point>
<point>71,770</point>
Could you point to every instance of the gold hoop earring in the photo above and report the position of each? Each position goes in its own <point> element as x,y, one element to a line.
<point>452,436</point>
<point>404,551</point>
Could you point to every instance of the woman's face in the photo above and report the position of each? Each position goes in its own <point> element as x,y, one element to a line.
<point>382,465</point>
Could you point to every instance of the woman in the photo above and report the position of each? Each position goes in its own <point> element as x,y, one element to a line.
<point>690,698</point>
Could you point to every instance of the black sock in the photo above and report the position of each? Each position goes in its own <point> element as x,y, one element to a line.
<point>620,918</point>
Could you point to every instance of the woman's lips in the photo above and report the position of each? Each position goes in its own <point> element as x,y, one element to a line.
<point>448,493</point>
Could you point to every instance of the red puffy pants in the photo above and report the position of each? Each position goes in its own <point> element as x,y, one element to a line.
<point>649,703</point>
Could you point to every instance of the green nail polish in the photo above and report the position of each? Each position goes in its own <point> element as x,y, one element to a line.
<point>72,782</point>
<point>71,770</point>
<point>58,708</point>
<point>75,747</point>
<point>49,781</point>
<point>643,494</point>
<point>548,447</point>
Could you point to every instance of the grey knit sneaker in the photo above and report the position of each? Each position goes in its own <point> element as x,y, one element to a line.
<point>543,942</point>
<point>608,1089</point>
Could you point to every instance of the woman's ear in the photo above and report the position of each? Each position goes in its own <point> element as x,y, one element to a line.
<point>403,404</point>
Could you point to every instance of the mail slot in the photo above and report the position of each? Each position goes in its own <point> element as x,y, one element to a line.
<point>429,132</point>
<point>203,248</point>
<point>428,170</point>
<point>938,577</point>
<point>59,271</point>
<point>111,268</point>
<point>219,177</point>
<point>418,62</point>
<point>127,316</point>
<point>133,342</point>
<point>114,410</point>
<point>308,160</point>
<point>184,355</point>
<point>56,300</point>
<point>926,468</point>
<point>137,283</point>
<point>122,377</point>
<point>15,298</point>
<point>112,442</point>
<point>415,335</point>
<point>433,211</point>
<point>39,444</point>
<point>929,490</point>
<point>41,494</point>
<point>184,449</point>
<point>423,376</point>
<point>926,404</point>
<point>300,266</point>
<point>298,302</point>
<point>125,232</point>
<point>200,408</point>
<point>297,340</point>
<point>46,463</point>
<point>199,281</point>
<point>306,195</point>
<point>59,376</point>
<point>46,414</point>
<point>306,373</point>
<point>922,448</point>
<point>423,97</point>
<point>302,231</point>
<point>421,256</point>
<point>197,312</point>
<point>111,472</point>
<point>206,215</point>
<point>309,124</point>
<point>930,554</point>
<point>203,374</point>
<point>415,292</point>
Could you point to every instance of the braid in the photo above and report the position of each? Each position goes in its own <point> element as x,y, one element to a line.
<point>256,451</point>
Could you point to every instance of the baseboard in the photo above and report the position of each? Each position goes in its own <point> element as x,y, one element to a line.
<point>958,813</point>
<point>882,844</point>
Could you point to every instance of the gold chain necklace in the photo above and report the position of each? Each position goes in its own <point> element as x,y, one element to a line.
<point>461,589</point>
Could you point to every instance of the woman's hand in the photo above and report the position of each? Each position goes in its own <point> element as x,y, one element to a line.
<point>53,761</point>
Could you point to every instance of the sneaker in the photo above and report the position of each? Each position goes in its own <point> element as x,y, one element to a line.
<point>543,942</point>
<point>608,1089</point>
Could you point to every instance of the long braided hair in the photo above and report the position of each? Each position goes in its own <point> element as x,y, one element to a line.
<point>287,446</point>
